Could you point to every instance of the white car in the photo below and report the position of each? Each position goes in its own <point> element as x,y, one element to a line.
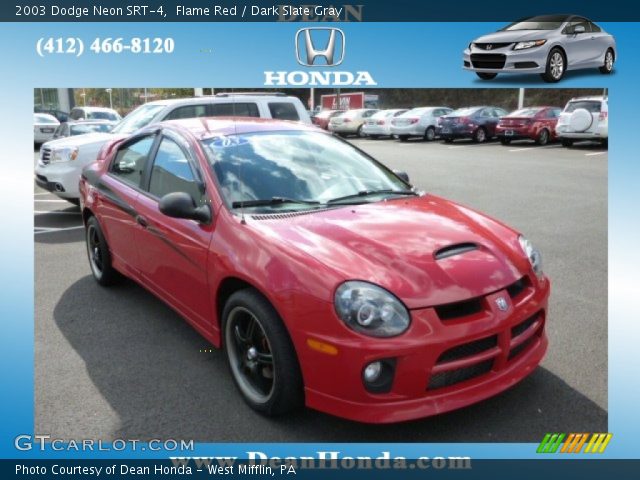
<point>94,113</point>
<point>61,161</point>
<point>44,126</point>
<point>379,124</point>
<point>584,118</point>
<point>350,122</point>
<point>418,122</point>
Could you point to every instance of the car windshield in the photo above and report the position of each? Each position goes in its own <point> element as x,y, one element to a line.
<point>543,22</point>
<point>137,119</point>
<point>592,106</point>
<point>98,115</point>
<point>292,170</point>
<point>525,112</point>
<point>83,128</point>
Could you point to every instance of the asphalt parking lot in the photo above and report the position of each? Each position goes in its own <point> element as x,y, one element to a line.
<point>117,363</point>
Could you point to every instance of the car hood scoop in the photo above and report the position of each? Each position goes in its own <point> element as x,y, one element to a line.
<point>425,250</point>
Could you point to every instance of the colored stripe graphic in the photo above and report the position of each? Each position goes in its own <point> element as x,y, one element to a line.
<point>573,442</point>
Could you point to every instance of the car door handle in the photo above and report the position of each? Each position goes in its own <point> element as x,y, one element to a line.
<point>142,221</point>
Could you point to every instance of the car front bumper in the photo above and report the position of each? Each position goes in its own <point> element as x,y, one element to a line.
<point>423,384</point>
<point>506,60</point>
<point>59,178</point>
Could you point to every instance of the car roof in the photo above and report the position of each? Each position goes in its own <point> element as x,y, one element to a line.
<point>219,99</point>
<point>207,127</point>
<point>598,98</point>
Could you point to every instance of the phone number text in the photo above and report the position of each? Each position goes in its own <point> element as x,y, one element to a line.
<point>109,45</point>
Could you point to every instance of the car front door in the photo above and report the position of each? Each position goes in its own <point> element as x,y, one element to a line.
<point>172,252</point>
<point>116,197</point>
<point>577,44</point>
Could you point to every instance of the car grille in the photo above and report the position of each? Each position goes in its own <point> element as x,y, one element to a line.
<point>488,60</point>
<point>45,155</point>
<point>446,379</point>
<point>472,306</point>
<point>468,349</point>
<point>469,360</point>
<point>491,46</point>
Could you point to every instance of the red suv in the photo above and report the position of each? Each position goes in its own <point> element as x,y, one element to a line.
<point>533,123</point>
<point>328,279</point>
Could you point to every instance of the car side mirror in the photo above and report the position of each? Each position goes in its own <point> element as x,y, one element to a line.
<point>402,175</point>
<point>182,205</point>
<point>579,29</point>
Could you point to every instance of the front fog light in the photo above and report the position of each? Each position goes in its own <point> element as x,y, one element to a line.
<point>372,372</point>
<point>377,376</point>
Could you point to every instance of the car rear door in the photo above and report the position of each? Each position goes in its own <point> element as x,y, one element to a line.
<point>172,252</point>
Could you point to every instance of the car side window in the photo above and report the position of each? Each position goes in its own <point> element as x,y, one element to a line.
<point>283,111</point>
<point>553,113</point>
<point>171,172</point>
<point>234,109</point>
<point>368,113</point>
<point>188,111</point>
<point>594,28</point>
<point>130,160</point>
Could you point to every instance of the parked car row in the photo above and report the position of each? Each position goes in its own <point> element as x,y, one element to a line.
<point>52,124</point>
<point>584,118</point>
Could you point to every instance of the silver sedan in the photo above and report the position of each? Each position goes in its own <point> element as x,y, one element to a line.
<point>547,44</point>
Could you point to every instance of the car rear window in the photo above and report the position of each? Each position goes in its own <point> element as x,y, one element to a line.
<point>593,106</point>
<point>283,111</point>
<point>102,116</point>
<point>235,109</point>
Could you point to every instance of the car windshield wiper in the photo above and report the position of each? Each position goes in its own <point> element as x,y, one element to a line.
<point>271,201</point>
<point>367,193</point>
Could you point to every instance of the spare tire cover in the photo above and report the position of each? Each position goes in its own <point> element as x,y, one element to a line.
<point>580,120</point>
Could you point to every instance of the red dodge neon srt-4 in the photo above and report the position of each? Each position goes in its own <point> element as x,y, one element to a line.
<point>327,278</point>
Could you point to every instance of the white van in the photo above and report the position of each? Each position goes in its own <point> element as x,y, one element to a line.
<point>584,118</point>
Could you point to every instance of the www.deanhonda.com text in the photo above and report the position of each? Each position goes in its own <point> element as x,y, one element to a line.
<point>259,462</point>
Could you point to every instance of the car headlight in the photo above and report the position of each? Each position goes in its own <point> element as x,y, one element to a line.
<point>533,254</point>
<point>371,310</point>
<point>65,154</point>
<point>470,45</point>
<point>529,44</point>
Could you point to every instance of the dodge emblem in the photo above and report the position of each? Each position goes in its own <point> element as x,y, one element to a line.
<point>502,304</point>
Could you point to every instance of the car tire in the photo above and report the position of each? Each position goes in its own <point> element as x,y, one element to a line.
<point>567,142</point>
<point>556,66</point>
<point>403,138</point>
<point>480,135</point>
<point>607,67</point>
<point>429,134</point>
<point>261,358</point>
<point>543,137</point>
<point>360,133</point>
<point>99,254</point>
<point>486,76</point>
<point>505,141</point>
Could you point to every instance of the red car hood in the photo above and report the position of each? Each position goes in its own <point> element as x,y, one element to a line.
<point>393,244</point>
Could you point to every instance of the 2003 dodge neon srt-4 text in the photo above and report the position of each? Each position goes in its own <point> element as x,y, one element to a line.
<point>327,278</point>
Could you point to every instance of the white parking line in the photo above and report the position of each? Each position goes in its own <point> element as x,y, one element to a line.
<point>522,149</point>
<point>43,193</point>
<point>40,230</point>
<point>50,201</point>
<point>593,154</point>
<point>455,146</point>
<point>54,212</point>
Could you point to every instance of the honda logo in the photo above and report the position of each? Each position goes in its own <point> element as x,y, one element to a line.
<point>489,47</point>
<point>502,304</point>
<point>315,43</point>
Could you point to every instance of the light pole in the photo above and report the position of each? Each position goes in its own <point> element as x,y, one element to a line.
<point>109,90</point>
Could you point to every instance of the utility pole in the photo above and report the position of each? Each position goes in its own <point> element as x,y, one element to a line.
<point>521,98</point>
